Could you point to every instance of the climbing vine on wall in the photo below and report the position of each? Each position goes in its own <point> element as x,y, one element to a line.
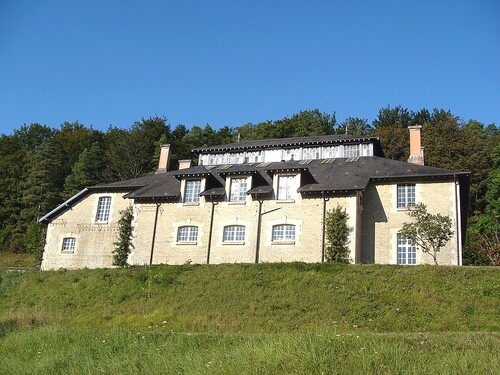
<point>124,244</point>
<point>337,233</point>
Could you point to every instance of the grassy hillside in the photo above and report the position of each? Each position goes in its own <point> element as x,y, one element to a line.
<point>251,319</point>
<point>259,298</point>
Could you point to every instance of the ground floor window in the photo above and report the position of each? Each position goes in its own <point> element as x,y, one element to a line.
<point>69,244</point>
<point>407,252</point>
<point>187,233</point>
<point>284,232</point>
<point>234,233</point>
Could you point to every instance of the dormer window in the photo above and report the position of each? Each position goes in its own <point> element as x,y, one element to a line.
<point>287,187</point>
<point>238,190</point>
<point>192,191</point>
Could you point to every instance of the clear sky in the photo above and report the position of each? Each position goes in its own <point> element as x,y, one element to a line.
<point>232,62</point>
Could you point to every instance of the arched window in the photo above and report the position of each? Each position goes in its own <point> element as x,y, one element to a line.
<point>284,232</point>
<point>234,233</point>
<point>188,233</point>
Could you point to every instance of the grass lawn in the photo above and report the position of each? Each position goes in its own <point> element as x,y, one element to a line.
<point>251,319</point>
<point>21,260</point>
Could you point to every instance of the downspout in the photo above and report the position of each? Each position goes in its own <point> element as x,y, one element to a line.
<point>259,223</point>
<point>458,219</point>
<point>154,233</point>
<point>210,231</point>
<point>324,227</point>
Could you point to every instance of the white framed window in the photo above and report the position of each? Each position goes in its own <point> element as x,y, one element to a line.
<point>69,244</point>
<point>407,252</point>
<point>406,196</point>
<point>238,190</point>
<point>234,233</point>
<point>103,208</point>
<point>192,191</point>
<point>351,151</point>
<point>287,187</point>
<point>283,232</point>
<point>188,233</point>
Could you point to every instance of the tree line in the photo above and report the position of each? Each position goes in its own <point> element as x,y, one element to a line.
<point>42,166</point>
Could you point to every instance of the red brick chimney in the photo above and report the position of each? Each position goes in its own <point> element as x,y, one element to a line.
<point>416,149</point>
<point>164,160</point>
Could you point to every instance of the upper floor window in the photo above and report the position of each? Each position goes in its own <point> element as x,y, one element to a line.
<point>407,252</point>
<point>287,187</point>
<point>238,190</point>
<point>311,153</point>
<point>188,233</point>
<point>351,151</point>
<point>69,244</point>
<point>284,232</point>
<point>192,191</point>
<point>103,208</point>
<point>406,195</point>
<point>234,233</point>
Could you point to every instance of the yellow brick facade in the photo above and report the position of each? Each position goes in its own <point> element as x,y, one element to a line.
<point>373,218</point>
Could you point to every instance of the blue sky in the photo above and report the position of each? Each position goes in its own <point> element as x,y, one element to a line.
<point>231,62</point>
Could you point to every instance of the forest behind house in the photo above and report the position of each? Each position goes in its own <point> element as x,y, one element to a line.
<point>42,166</point>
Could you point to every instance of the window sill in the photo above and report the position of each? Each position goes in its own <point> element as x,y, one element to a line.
<point>285,201</point>
<point>233,243</point>
<point>67,252</point>
<point>191,203</point>
<point>404,209</point>
<point>183,243</point>
<point>237,203</point>
<point>283,243</point>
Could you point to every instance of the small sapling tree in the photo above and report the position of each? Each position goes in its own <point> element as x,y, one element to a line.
<point>124,244</point>
<point>429,232</point>
<point>337,233</point>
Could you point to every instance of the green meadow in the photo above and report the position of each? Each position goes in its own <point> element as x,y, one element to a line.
<point>251,319</point>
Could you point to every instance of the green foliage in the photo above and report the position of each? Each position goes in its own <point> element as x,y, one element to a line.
<point>483,232</point>
<point>34,240</point>
<point>337,234</point>
<point>124,244</point>
<point>87,171</point>
<point>429,232</point>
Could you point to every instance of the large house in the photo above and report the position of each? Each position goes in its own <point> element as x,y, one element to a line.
<point>262,201</point>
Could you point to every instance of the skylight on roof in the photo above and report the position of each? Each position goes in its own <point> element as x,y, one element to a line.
<point>328,161</point>
<point>304,162</point>
<point>350,160</point>
<point>222,167</point>
<point>261,165</point>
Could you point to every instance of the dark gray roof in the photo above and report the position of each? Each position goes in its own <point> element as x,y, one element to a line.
<point>288,142</point>
<point>160,186</point>
<point>317,176</point>
<point>328,175</point>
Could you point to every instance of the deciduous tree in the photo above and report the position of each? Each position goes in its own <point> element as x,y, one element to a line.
<point>429,232</point>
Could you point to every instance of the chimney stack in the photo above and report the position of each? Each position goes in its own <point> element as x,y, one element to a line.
<point>184,164</point>
<point>164,160</point>
<point>416,149</point>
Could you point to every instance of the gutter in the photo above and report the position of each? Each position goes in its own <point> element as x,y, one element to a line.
<point>210,230</point>
<point>65,204</point>
<point>324,227</point>
<point>458,220</point>
<point>154,233</point>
